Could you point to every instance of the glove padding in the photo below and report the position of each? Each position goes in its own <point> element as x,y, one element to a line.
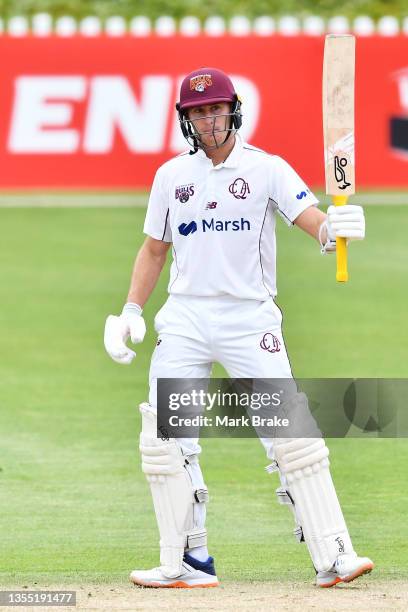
<point>118,330</point>
<point>346,221</point>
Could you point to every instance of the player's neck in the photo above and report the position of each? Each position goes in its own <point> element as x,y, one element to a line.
<point>219,155</point>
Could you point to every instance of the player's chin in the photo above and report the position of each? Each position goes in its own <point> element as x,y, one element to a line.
<point>213,140</point>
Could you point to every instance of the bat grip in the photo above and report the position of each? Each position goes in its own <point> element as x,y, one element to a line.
<point>341,246</point>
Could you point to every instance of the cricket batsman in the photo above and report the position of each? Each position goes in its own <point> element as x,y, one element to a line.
<point>216,206</point>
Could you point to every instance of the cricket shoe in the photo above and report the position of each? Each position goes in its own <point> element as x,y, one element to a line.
<point>346,568</point>
<point>195,574</point>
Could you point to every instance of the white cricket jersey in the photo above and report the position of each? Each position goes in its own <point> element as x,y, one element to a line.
<point>221,220</point>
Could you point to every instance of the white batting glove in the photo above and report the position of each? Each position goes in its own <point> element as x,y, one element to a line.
<point>118,330</point>
<point>346,221</point>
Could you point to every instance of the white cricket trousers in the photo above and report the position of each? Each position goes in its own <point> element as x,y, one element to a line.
<point>244,336</point>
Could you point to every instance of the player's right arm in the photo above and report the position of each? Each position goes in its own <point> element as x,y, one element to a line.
<point>146,271</point>
<point>130,324</point>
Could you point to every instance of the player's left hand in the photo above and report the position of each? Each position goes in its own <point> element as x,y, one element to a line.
<point>346,221</point>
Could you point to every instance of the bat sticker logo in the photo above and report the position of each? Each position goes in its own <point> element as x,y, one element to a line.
<point>339,164</point>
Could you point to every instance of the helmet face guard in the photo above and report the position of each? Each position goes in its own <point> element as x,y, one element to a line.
<point>233,121</point>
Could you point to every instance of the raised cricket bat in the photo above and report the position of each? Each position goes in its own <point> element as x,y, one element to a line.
<point>338,128</point>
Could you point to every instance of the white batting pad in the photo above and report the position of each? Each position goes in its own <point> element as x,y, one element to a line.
<point>178,504</point>
<point>305,465</point>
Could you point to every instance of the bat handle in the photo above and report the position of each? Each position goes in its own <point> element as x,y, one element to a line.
<point>341,247</point>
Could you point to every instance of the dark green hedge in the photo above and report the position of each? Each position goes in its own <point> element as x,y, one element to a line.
<point>226,8</point>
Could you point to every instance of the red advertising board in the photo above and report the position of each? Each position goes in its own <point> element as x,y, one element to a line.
<point>86,113</point>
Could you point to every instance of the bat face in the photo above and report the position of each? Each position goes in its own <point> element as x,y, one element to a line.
<point>338,114</point>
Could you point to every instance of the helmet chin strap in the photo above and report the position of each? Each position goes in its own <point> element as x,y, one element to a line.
<point>195,147</point>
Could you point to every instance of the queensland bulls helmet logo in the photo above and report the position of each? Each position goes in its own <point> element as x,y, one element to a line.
<point>200,82</point>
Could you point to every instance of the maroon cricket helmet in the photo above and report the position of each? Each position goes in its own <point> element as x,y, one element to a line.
<point>205,86</point>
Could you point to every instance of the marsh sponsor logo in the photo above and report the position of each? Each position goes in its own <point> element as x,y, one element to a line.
<point>212,225</point>
<point>187,228</point>
<point>236,225</point>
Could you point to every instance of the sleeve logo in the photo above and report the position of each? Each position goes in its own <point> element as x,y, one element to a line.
<point>302,194</point>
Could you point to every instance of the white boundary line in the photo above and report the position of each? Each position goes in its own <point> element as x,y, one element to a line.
<point>77,200</point>
<point>139,200</point>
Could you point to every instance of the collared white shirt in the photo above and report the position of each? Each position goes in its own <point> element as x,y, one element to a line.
<point>221,220</point>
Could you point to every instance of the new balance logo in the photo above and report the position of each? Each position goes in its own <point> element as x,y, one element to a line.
<point>187,228</point>
<point>235,225</point>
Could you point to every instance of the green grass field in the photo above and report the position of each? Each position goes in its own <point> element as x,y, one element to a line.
<point>74,506</point>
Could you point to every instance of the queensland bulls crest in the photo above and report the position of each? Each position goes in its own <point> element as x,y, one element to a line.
<point>184,192</point>
<point>200,82</point>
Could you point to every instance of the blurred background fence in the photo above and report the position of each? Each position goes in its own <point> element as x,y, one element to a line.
<point>88,89</point>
